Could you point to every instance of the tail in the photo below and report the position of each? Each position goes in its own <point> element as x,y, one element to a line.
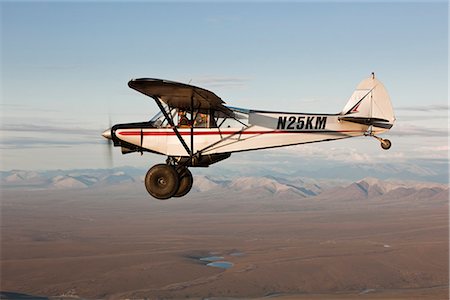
<point>370,105</point>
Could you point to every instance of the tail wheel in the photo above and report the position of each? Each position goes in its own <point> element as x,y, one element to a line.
<point>386,144</point>
<point>162,181</point>
<point>186,181</point>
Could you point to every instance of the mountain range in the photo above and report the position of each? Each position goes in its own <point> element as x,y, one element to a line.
<point>61,179</point>
<point>278,186</point>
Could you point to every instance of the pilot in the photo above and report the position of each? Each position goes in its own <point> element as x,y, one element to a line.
<point>182,119</point>
<point>200,120</point>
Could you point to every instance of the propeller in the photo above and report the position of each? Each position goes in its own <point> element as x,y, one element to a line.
<point>109,144</point>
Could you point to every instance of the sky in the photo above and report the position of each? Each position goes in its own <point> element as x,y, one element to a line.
<point>65,68</point>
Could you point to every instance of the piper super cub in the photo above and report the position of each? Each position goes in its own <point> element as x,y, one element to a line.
<point>195,129</point>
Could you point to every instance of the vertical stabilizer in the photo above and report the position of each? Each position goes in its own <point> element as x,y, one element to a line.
<point>370,104</point>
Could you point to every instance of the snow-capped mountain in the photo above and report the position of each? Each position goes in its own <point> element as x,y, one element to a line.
<point>272,186</point>
<point>372,188</point>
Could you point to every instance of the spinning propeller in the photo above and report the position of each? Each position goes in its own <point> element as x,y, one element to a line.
<point>109,144</point>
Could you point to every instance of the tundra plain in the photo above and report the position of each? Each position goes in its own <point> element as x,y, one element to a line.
<point>115,242</point>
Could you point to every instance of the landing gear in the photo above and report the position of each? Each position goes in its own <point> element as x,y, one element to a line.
<point>164,181</point>
<point>186,181</point>
<point>385,143</point>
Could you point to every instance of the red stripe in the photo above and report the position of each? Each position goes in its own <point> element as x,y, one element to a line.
<point>159,133</point>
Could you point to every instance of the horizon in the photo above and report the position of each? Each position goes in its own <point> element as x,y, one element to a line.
<point>222,172</point>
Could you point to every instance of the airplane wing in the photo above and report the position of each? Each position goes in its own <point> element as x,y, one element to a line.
<point>179,95</point>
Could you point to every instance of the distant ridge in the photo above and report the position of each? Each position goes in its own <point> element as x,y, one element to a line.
<point>372,188</point>
<point>67,179</point>
<point>277,187</point>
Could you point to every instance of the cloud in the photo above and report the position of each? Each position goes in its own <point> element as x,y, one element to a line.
<point>313,153</point>
<point>343,162</point>
<point>18,136</point>
<point>433,152</point>
<point>420,118</point>
<point>357,151</point>
<point>425,108</point>
<point>434,148</point>
<point>13,107</point>
<point>42,142</point>
<point>48,129</point>
<point>412,130</point>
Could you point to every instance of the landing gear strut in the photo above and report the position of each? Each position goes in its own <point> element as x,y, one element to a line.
<point>186,181</point>
<point>385,143</point>
<point>164,181</point>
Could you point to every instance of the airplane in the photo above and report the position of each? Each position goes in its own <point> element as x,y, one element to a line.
<point>195,128</point>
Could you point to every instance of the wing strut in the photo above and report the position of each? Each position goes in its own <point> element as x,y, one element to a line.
<point>175,129</point>
<point>192,125</point>
<point>142,140</point>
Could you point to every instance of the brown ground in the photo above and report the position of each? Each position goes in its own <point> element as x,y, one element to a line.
<point>117,243</point>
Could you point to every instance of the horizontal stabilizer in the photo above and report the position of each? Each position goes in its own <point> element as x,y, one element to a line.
<point>382,123</point>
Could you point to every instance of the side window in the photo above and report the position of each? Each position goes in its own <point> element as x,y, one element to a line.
<point>237,120</point>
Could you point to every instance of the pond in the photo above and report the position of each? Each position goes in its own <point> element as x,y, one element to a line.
<point>220,264</point>
<point>212,258</point>
<point>217,262</point>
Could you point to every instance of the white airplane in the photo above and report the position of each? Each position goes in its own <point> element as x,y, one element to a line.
<point>195,129</point>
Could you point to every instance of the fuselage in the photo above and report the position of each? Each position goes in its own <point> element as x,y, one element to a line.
<point>257,130</point>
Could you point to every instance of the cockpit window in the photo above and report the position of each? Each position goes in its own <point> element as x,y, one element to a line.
<point>182,119</point>
<point>201,119</point>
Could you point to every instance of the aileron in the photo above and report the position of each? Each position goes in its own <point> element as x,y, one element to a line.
<point>178,95</point>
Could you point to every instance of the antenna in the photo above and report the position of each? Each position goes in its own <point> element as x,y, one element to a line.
<point>371,98</point>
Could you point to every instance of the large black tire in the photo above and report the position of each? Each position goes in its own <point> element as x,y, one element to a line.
<point>162,181</point>
<point>186,181</point>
